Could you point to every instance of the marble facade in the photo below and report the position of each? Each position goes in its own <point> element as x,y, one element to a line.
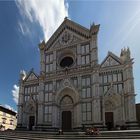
<point>73,90</point>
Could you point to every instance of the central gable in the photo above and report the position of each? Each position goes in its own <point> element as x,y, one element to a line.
<point>68,32</point>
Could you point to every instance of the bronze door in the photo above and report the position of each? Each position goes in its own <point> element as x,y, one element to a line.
<point>109,120</point>
<point>66,120</point>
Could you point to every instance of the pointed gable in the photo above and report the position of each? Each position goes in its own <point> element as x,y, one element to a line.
<point>64,33</point>
<point>31,76</point>
<point>111,60</point>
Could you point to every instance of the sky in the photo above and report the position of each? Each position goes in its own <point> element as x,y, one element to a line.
<point>24,24</point>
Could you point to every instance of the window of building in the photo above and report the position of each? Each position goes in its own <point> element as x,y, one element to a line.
<point>85,57</point>
<point>101,79</point>
<point>85,49</point>
<point>11,122</point>
<point>86,89</point>
<point>49,58</point>
<point>115,88</point>
<point>31,89</point>
<point>49,86</point>
<point>48,92</point>
<point>26,90</point>
<point>75,81</point>
<point>58,84</point>
<point>4,120</point>
<point>120,87</point>
<point>49,62</point>
<point>85,81</point>
<point>49,67</point>
<point>26,98</point>
<point>114,77</point>
<point>109,78</point>
<point>37,97</point>
<point>105,78</point>
<point>86,112</point>
<point>37,88</point>
<point>48,113</point>
<point>48,97</point>
<point>119,76</point>
<point>34,89</point>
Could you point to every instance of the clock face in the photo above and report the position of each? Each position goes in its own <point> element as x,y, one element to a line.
<point>66,38</point>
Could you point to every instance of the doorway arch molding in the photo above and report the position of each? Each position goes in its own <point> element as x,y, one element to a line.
<point>67,91</point>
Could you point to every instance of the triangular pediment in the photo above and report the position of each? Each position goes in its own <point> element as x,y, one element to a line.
<point>111,60</point>
<point>67,38</point>
<point>31,76</point>
<point>68,32</point>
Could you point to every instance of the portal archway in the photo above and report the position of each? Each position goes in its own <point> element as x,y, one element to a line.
<point>66,107</point>
<point>67,91</point>
<point>109,114</point>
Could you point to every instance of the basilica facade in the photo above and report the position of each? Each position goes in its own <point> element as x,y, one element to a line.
<point>74,91</point>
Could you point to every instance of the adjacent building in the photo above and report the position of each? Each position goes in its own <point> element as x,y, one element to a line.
<point>8,119</point>
<point>73,90</point>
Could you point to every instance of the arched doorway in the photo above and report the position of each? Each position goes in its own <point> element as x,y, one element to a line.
<point>66,113</point>
<point>31,113</point>
<point>109,115</point>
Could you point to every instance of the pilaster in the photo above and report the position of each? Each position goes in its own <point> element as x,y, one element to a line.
<point>20,103</point>
<point>96,104</point>
<point>42,56</point>
<point>41,101</point>
<point>93,44</point>
<point>130,110</point>
<point>78,55</point>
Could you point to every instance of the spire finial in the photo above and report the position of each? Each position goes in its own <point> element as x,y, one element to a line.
<point>66,18</point>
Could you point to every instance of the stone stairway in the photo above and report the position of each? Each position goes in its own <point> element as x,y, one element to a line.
<point>37,135</point>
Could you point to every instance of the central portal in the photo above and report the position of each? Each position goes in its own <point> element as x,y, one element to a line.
<point>66,120</point>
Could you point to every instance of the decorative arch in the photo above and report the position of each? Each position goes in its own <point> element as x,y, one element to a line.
<point>66,100</point>
<point>30,106</point>
<point>109,105</point>
<point>67,91</point>
<point>115,99</point>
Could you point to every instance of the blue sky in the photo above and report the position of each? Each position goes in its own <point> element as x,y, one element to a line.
<point>23,24</point>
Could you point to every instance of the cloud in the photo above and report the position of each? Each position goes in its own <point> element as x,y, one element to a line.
<point>15,93</point>
<point>49,14</point>
<point>23,28</point>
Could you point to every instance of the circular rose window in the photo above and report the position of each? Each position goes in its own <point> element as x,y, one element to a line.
<point>66,62</point>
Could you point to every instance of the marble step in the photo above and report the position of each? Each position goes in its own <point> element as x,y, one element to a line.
<point>36,135</point>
